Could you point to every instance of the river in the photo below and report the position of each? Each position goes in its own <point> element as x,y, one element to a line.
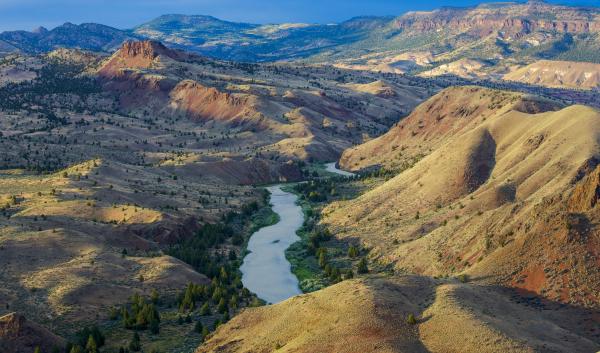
<point>265,270</point>
<point>330,167</point>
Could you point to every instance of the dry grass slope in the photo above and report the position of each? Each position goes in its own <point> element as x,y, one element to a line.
<point>370,315</point>
<point>562,74</point>
<point>489,199</point>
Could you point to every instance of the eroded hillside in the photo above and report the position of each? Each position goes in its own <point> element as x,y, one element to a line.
<point>485,240</point>
<point>137,173</point>
<point>485,189</point>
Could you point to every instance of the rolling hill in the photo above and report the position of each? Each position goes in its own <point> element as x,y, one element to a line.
<point>558,74</point>
<point>370,315</point>
<point>478,190</point>
<point>110,163</point>
<point>486,235</point>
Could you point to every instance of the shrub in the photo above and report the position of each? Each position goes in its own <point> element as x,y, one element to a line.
<point>362,266</point>
<point>134,344</point>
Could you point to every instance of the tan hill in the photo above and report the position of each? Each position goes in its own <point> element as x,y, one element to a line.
<point>450,112</point>
<point>370,315</point>
<point>465,68</point>
<point>376,88</point>
<point>19,335</point>
<point>563,74</point>
<point>489,195</point>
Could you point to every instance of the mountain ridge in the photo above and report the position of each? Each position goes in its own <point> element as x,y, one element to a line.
<point>528,30</point>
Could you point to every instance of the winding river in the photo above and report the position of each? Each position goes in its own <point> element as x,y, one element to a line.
<point>265,270</point>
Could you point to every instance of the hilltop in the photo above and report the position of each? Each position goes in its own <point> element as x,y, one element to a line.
<point>17,334</point>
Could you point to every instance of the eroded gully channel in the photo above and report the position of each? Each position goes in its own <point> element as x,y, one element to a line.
<point>265,270</point>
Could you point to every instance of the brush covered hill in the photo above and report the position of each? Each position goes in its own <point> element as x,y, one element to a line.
<point>564,74</point>
<point>370,315</point>
<point>495,193</point>
<point>88,36</point>
<point>109,163</point>
<point>297,112</point>
<point>531,30</point>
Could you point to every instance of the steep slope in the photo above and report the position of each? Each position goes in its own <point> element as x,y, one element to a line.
<point>564,74</point>
<point>369,315</point>
<point>19,335</point>
<point>448,113</point>
<point>489,199</point>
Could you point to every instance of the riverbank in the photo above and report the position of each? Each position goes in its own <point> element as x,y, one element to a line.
<point>314,270</point>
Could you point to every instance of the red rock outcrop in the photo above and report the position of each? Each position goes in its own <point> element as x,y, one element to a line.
<point>137,55</point>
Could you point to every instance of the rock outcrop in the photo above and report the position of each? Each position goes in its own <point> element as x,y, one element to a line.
<point>19,335</point>
<point>512,19</point>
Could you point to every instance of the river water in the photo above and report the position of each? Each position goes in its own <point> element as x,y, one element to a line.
<point>265,270</point>
<point>330,167</point>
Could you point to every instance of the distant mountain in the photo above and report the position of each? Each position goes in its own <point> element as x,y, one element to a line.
<point>89,36</point>
<point>499,36</point>
<point>253,42</point>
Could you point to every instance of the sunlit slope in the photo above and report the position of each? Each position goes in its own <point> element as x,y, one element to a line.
<point>494,199</point>
<point>370,315</point>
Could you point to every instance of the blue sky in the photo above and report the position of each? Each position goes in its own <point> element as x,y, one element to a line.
<point>27,14</point>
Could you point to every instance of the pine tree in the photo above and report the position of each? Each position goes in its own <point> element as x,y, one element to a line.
<point>362,266</point>
<point>198,327</point>
<point>135,345</point>
<point>91,346</point>
<point>322,257</point>
<point>352,251</point>
<point>205,309</point>
<point>205,332</point>
<point>154,297</point>
<point>411,319</point>
<point>154,327</point>
<point>222,307</point>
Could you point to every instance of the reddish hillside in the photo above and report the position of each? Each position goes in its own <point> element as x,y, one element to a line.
<point>450,112</point>
<point>499,191</point>
<point>138,55</point>
<point>18,335</point>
